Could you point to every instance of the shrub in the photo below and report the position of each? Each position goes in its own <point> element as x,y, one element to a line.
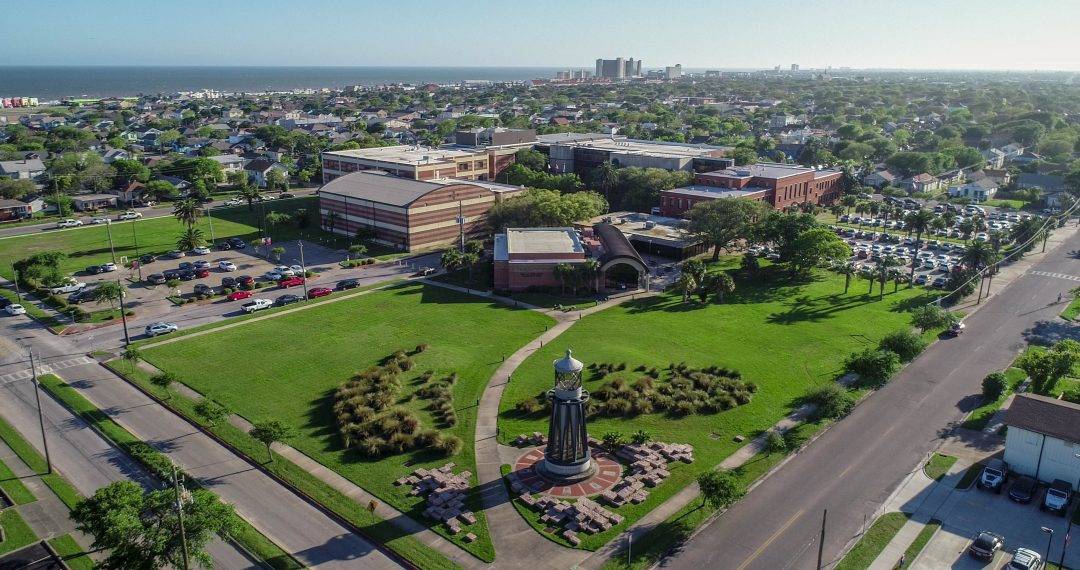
<point>832,401</point>
<point>874,367</point>
<point>775,442</point>
<point>906,344</point>
<point>994,385</point>
<point>450,445</point>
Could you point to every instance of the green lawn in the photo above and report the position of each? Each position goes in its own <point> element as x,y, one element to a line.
<point>873,542</point>
<point>295,376</point>
<point>71,553</point>
<point>1006,203</point>
<point>16,531</point>
<point>786,338</point>
<point>938,466</point>
<point>89,245</point>
<point>1072,311</point>
<point>979,417</point>
<point>920,541</point>
<point>13,487</point>
<point>30,456</point>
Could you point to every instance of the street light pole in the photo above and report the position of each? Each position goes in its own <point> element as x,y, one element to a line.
<point>303,267</point>
<point>123,314</point>
<point>1050,538</point>
<point>41,416</point>
<point>112,249</point>
<point>15,272</point>
<point>135,238</point>
<point>210,220</point>
<point>180,515</point>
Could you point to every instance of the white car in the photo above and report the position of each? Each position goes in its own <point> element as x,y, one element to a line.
<point>107,267</point>
<point>130,215</point>
<point>273,275</point>
<point>69,286</point>
<point>296,269</point>
<point>15,309</point>
<point>256,305</point>
<point>226,266</point>
<point>201,251</point>
<point>99,220</point>
<point>69,223</point>
<point>156,329</point>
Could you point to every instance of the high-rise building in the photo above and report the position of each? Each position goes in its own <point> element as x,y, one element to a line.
<point>618,68</point>
<point>794,67</point>
<point>673,71</point>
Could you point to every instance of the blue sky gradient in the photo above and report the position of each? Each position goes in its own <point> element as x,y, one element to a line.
<point>939,34</point>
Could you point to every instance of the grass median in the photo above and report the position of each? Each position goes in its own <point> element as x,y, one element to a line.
<point>71,553</point>
<point>873,542</point>
<point>17,533</point>
<point>34,460</point>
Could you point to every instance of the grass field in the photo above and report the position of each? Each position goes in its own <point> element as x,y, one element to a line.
<point>938,466</point>
<point>1072,311</point>
<point>13,487</point>
<point>873,542</point>
<point>294,375</point>
<point>89,245</point>
<point>17,533</point>
<point>920,541</point>
<point>1005,203</point>
<point>30,456</point>
<point>786,338</point>
<point>72,554</point>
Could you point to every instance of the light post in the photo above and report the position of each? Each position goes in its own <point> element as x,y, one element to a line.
<point>15,273</point>
<point>303,267</point>
<point>210,220</point>
<point>180,491</point>
<point>135,239</point>
<point>1049,538</point>
<point>123,313</point>
<point>41,416</point>
<point>112,249</point>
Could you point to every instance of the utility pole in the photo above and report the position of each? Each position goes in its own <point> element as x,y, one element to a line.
<point>123,314</point>
<point>821,541</point>
<point>112,249</point>
<point>15,272</point>
<point>135,238</point>
<point>303,267</point>
<point>180,514</point>
<point>210,220</point>
<point>982,279</point>
<point>41,416</point>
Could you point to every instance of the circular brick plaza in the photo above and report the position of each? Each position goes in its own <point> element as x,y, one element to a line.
<point>608,473</point>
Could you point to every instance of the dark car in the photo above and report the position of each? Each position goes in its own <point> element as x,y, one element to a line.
<point>203,289</point>
<point>95,269</point>
<point>171,274</point>
<point>245,282</point>
<point>286,300</point>
<point>237,243</point>
<point>81,296</point>
<point>4,302</point>
<point>1023,489</point>
<point>286,195</point>
<point>186,265</point>
<point>348,284</point>
<point>228,283</point>
<point>187,275</point>
<point>156,278</point>
<point>986,544</point>
<point>223,246</point>
<point>148,258</point>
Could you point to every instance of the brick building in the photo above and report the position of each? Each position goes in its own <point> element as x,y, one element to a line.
<point>407,214</point>
<point>413,162</point>
<point>525,258</point>
<point>778,185</point>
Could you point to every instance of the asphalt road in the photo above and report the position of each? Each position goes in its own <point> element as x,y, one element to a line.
<point>853,467</point>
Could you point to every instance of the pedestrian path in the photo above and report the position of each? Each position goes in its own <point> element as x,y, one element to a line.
<point>52,367</point>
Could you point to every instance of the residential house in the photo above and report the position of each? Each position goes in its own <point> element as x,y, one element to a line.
<point>879,179</point>
<point>259,168</point>
<point>995,158</point>
<point>1045,182</point>
<point>1013,150</point>
<point>1043,438</point>
<point>25,169</point>
<point>13,210</point>
<point>91,202</point>
<point>977,191</point>
<point>921,183</point>
<point>230,163</point>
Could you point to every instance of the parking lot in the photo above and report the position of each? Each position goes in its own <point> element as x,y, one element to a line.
<point>935,259</point>
<point>966,513</point>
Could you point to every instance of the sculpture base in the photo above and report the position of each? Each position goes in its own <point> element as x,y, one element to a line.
<point>603,473</point>
<point>566,475</point>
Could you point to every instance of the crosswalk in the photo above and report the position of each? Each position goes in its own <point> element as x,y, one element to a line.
<point>51,367</point>
<point>1058,275</point>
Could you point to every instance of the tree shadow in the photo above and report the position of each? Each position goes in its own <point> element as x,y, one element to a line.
<point>1049,332</point>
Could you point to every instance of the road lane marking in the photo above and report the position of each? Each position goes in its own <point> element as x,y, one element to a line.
<point>772,538</point>
<point>26,373</point>
<point>1058,275</point>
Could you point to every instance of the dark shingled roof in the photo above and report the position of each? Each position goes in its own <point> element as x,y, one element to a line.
<point>615,244</point>
<point>1040,414</point>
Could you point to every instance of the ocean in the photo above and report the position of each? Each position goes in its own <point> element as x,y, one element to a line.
<point>55,82</point>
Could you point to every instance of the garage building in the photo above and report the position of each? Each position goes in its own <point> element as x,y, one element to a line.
<point>1043,439</point>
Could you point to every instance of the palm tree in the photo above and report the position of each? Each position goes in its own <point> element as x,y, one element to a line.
<point>451,259</point>
<point>883,266</point>
<point>849,201</point>
<point>590,273</point>
<point>564,272</point>
<point>607,178</point>
<point>187,211</point>
<point>978,255</point>
<point>108,292</point>
<point>249,193</point>
<point>722,284</point>
<point>469,259</point>
<point>966,228</point>
<point>847,270</point>
<point>918,221</point>
<point>331,220</point>
<point>190,239</point>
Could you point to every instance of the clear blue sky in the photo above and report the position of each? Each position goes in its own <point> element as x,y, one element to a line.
<point>947,34</point>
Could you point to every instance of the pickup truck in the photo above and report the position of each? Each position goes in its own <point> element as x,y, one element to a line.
<point>256,305</point>
<point>69,223</point>
<point>130,215</point>
<point>69,286</point>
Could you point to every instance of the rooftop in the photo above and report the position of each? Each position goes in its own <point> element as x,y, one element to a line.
<point>1048,416</point>
<point>542,241</point>
<point>379,187</point>
<point>716,192</point>
<point>404,154</point>
<point>767,170</point>
<point>635,146</point>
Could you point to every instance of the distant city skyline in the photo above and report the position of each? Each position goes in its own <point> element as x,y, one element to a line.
<point>725,34</point>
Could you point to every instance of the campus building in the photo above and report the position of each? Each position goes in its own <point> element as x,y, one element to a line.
<point>413,162</point>
<point>408,214</point>
<point>525,258</point>
<point>1043,439</point>
<point>579,153</point>
<point>778,185</point>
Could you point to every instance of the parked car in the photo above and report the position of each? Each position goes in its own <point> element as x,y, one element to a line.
<point>273,275</point>
<point>185,265</point>
<point>285,195</point>
<point>1023,489</point>
<point>202,264</point>
<point>347,284</point>
<point>228,283</point>
<point>129,215</point>
<point>81,296</point>
<point>223,246</point>
<point>69,286</point>
<point>986,544</point>
<point>15,309</point>
<point>238,295</point>
<point>186,274</point>
<point>4,302</point>
<point>297,269</point>
<point>1057,497</point>
<point>156,279</point>
<point>994,475</point>
<point>99,220</point>
<point>160,328</point>
<point>203,289</point>
<point>245,282</point>
<point>425,271</point>
<point>175,254</point>
<point>226,266</point>
<point>291,282</point>
<point>200,251</point>
<point>286,299</point>
<point>1025,559</point>
<point>94,269</point>
<point>237,243</point>
<point>319,292</point>
<point>69,223</point>
<point>148,258</point>
<point>107,267</point>
<point>256,305</point>
<point>202,272</point>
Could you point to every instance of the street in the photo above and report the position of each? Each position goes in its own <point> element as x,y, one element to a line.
<point>854,466</point>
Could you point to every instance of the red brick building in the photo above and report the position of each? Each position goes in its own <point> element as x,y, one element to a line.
<point>778,185</point>
<point>525,258</point>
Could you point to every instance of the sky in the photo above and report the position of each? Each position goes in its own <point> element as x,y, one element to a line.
<point>913,34</point>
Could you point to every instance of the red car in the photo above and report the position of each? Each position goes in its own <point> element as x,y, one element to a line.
<point>200,273</point>
<point>319,292</point>
<point>290,282</point>
<point>238,295</point>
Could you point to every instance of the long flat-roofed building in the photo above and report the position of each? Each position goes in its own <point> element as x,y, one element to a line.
<point>778,185</point>
<point>404,161</point>
<point>526,258</point>
<point>408,214</point>
<point>581,152</point>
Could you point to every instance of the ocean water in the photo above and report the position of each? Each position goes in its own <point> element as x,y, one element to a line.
<point>55,82</point>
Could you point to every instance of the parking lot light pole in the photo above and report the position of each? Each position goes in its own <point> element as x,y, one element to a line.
<point>135,240</point>
<point>123,313</point>
<point>1050,538</point>
<point>41,416</point>
<point>303,268</point>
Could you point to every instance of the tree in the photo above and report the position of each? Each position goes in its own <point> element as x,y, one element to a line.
<point>131,355</point>
<point>357,250</point>
<point>605,178</point>
<point>108,292</point>
<point>929,317</point>
<point>64,204</point>
<point>782,229</point>
<point>277,252</point>
<point>130,170</point>
<point>531,159</point>
<point>163,380</point>
<point>276,181</point>
<point>469,259</point>
<point>906,344</point>
<point>978,255</point>
<point>269,433</point>
<point>211,411</point>
<point>847,270</point>
<point>720,489</point>
<point>187,212</point>
<point>563,272</point>
<point>545,208</point>
<point>918,221</point>
<point>141,530</point>
<point>15,189</point>
<point>43,267</point>
<point>1046,367</point>
<point>722,223</point>
<point>722,284</point>
<point>190,239</point>
<point>993,386</point>
<point>250,194</point>
<point>874,367</point>
<point>688,285</point>
<point>831,401</point>
<point>161,190</point>
<point>816,246</point>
